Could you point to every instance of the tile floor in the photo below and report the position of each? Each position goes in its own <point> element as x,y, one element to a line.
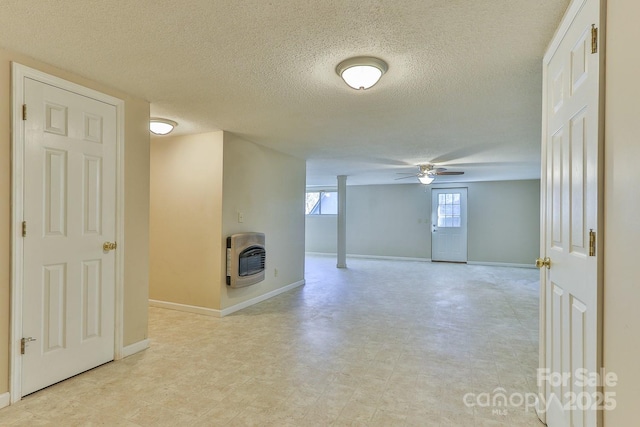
<point>382,343</point>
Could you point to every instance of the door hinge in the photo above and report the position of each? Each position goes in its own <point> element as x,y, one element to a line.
<point>24,228</point>
<point>592,243</point>
<point>24,111</point>
<point>23,343</point>
<point>594,39</point>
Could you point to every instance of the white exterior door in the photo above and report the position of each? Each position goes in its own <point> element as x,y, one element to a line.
<point>449,224</point>
<point>571,199</point>
<point>69,208</point>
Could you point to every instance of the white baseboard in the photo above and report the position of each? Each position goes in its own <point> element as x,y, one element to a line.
<point>212,312</point>
<point>385,257</point>
<point>260,298</point>
<point>321,254</point>
<point>389,258</point>
<point>5,400</point>
<point>501,264</point>
<point>395,258</point>
<point>135,348</point>
<point>225,312</point>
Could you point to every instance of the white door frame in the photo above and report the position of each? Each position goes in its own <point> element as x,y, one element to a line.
<point>19,73</point>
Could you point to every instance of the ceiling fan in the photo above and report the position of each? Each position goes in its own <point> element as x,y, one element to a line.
<point>428,172</point>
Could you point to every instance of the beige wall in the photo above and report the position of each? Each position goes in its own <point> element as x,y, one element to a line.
<point>267,187</point>
<point>136,205</point>
<point>186,219</point>
<point>622,210</point>
<point>394,220</point>
<point>199,184</point>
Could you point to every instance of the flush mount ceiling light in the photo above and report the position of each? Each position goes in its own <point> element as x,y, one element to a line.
<point>159,126</point>
<point>361,72</point>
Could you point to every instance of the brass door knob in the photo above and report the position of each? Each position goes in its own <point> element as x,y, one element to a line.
<point>109,246</point>
<point>546,262</point>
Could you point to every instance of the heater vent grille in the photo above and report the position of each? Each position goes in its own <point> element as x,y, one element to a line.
<point>246,259</point>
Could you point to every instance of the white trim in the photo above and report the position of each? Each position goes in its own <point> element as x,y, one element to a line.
<point>134,348</point>
<point>120,235</point>
<point>383,257</point>
<point>398,258</point>
<point>327,254</point>
<point>388,258</point>
<point>17,201</point>
<point>5,400</point>
<point>501,264</point>
<point>260,298</point>
<point>18,75</point>
<point>212,312</point>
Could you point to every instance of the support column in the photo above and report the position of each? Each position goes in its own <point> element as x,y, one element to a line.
<point>342,221</point>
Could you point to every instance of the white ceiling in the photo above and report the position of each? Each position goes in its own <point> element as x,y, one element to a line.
<point>463,88</point>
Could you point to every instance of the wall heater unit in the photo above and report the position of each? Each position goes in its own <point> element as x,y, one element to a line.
<point>245,259</point>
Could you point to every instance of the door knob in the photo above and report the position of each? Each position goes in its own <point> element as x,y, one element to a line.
<point>109,246</point>
<point>546,262</point>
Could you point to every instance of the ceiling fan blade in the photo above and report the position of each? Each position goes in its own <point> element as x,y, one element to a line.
<point>406,173</point>
<point>405,177</point>
<point>449,173</point>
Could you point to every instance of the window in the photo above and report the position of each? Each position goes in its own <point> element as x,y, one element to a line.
<point>449,210</point>
<point>321,203</point>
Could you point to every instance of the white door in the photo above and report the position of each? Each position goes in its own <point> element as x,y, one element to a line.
<point>449,224</point>
<point>69,210</point>
<point>571,199</point>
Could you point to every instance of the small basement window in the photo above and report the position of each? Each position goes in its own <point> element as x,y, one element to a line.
<point>321,203</point>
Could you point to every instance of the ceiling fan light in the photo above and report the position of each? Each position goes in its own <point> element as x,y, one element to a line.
<point>159,126</point>
<point>427,179</point>
<point>361,72</point>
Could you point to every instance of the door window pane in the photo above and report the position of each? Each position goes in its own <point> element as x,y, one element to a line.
<point>449,210</point>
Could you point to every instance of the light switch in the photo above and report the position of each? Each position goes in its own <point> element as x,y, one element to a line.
<point>240,217</point>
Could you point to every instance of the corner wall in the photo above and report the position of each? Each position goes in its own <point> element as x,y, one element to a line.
<point>394,221</point>
<point>622,204</point>
<point>136,221</point>
<point>186,219</point>
<point>268,188</point>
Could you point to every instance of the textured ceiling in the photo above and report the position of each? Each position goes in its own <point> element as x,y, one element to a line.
<point>463,87</point>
